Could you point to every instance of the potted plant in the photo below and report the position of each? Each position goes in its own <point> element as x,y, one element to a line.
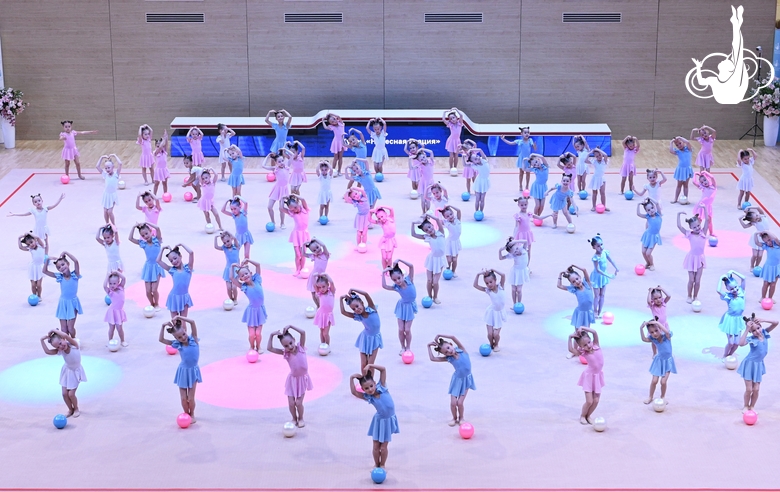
<point>11,104</point>
<point>766,102</point>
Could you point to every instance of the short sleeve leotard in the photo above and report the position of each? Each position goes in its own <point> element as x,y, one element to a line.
<point>752,367</point>
<point>406,307</point>
<point>385,423</point>
<point>370,338</point>
<point>462,379</point>
<point>179,297</point>
<point>583,313</point>
<point>254,314</point>
<point>188,372</point>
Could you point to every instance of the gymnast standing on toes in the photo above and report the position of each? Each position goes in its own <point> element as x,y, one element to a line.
<point>592,378</point>
<point>752,367</point>
<point>298,380</point>
<point>771,269</point>
<point>663,362</point>
<point>230,248</point>
<point>495,314</point>
<point>255,314</point>
<point>34,244</point>
<point>454,121</point>
<point>600,278</point>
<point>370,339</point>
<point>580,287</point>
<point>179,301</point>
<point>731,323</point>
<point>40,213</point>
<point>694,261</point>
<point>151,271</point>
<point>754,217</point>
<point>406,307</point>
<point>69,150</point>
<point>188,373</point>
<point>540,168</point>
<point>451,350</point>
<point>652,235</point>
<point>69,306</point>
<point>435,261</point>
<point>72,372</point>
<point>384,424</point>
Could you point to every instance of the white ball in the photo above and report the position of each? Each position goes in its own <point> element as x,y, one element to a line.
<point>305,272</point>
<point>324,349</point>
<point>731,362</point>
<point>659,405</point>
<point>414,195</point>
<point>600,424</point>
<point>149,311</point>
<point>696,306</point>
<point>121,184</point>
<point>362,248</point>
<point>113,345</point>
<point>310,312</point>
<point>570,228</point>
<point>228,305</point>
<point>453,171</point>
<point>209,228</point>
<point>683,199</point>
<point>289,429</point>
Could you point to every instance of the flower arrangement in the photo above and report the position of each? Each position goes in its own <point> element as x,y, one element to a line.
<point>11,104</point>
<point>766,100</point>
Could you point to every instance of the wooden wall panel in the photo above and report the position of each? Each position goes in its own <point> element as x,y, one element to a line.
<point>308,67</point>
<point>689,29</point>
<point>60,57</point>
<point>167,70</point>
<point>472,66</point>
<point>589,73</point>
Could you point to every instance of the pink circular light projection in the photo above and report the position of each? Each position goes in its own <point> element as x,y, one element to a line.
<point>730,245</point>
<point>235,383</point>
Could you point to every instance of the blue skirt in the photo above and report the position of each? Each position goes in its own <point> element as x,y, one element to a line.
<point>458,386</point>
<point>752,370</point>
<point>382,430</point>
<point>226,274</point>
<point>368,343</point>
<point>660,367</point>
<point>598,280</point>
<point>254,315</point>
<point>236,179</point>
<point>405,310</point>
<point>187,376</point>
<point>770,273</point>
<point>731,325</point>
<point>244,237</point>
<point>683,172</point>
<point>558,202</point>
<point>582,318</point>
<point>67,308</point>
<point>538,189</point>
<point>178,303</point>
<point>650,240</point>
<point>152,272</point>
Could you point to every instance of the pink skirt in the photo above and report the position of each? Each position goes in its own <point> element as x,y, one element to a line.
<point>205,203</point>
<point>626,169</point>
<point>361,222</point>
<point>591,382</point>
<point>310,282</point>
<point>388,243</point>
<point>337,145</point>
<point>296,386</point>
<point>279,192</point>
<point>115,316</point>
<point>694,263</point>
<point>414,174</point>
<point>299,238</point>
<point>297,178</point>
<point>452,144</point>
<point>469,172</point>
<point>161,173</point>
<point>323,319</point>
<point>526,236</point>
<point>146,160</point>
<point>198,159</point>
<point>70,153</point>
<point>704,160</point>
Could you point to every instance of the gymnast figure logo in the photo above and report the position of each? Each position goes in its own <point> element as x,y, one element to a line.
<point>735,71</point>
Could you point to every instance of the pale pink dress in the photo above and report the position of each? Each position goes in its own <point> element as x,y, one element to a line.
<point>453,141</point>
<point>300,234</point>
<point>298,175</point>
<point>524,227</point>
<point>694,260</point>
<point>197,151</point>
<point>592,378</point>
<point>324,316</point>
<point>319,265</point>
<point>69,149</point>
<point>116,311</point>
<point>660,313</point>
<point>704,159</point>
<point>161,172</point>
<point>298,380</point>
<point>388,242</point>
<point>207,198</point>
<point>282,187</point>
<point>337,145</point>
<point>628,162</point>
<point>147,159</point>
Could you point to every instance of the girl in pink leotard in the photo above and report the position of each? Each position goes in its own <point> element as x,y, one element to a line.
<point>298,176</point>
<point>281,188</point>
<point>628,170</point>
<point>208,184</point>
<point>706,183</point>
<point>385,217</point>
<point>657,299</point>
<point>195,139</point>
<point>469,173</point>
<point>161,173</point>
<point>147,159</point>
<point>694,261</point>
<point>706,137</point>
<point>523,224</point>
<point>298,380</point>
<point>319,256</point>
<point>325,290</point>
<point>592,378</point>
<point>151,208</point>
<point>567,163</point>
<point>297,208</point>
<point>454,121</point>
<point>69,150</point>
<point>333,123</point>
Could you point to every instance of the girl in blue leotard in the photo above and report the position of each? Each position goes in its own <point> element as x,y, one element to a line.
<point>69,306</point>
<point>238,210</point>
<point>179,300</point>
<point>452,351</point>
<point>370,339</point>
<point>255,314</point>
<point>731,323</point>
<point>652,235</point>
<point>151,272</point>
<point>188,373</point>
<point>538,165</point>
<point>663,362</point>
<point>384,424</point>
<point>600,278</point>
<point>406,307</point>
<point>752,368</point>
<point>580,287</point>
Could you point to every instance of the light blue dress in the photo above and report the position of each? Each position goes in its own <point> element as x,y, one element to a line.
<point>598,280</point>
<point>406,307</point>
<point>361,152</point>
<point>236,177</point>
<point>558,199</point>
<point>684,168</point>
<point>254,314</point>
<point>731,323</point>
<point>539,186</point>
<point>151,271</point>
<point>231,256</point>
<point>752,367</point>
<point>368,185</point>
<point>69,303</point>
<point>583,313</point>
<point>370,338</point>
<point>770,271</point>
<point>179,297</point>
<point>281,136</point>
<point>188,372</point>
<point>242,229</point>
<point>384,424</point>
<point>652,235</point>
<point>523,152</point>
<point>462,380</point>
<point>663,361</point>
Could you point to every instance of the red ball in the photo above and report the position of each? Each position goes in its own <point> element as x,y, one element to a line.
<point>271,177</point>
<point>64,179</point>
<point>188,197</point>
<point>466,430</point>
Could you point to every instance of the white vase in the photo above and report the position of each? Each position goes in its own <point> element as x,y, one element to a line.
<point>9,133</point>
<point>771,126</point>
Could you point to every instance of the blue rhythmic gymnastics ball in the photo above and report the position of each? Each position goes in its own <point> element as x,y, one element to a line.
<point>757,271</point>
<point>379,177</point>
<point>324,220</point>
<point>270,227</point>
<point>33,300</point>
<point>447,274</point>
<point>465,196</point>
<point>108,300</point>
<point>519,308</point>
<point>485,349</point>
<point>573,210</point>
<point>426,302</point>
<point>746,205</point>
<point>629,195</point>
<point>60,421</point>
<point>478,215</point>
<point>378,475</point>
<point>583,195</point>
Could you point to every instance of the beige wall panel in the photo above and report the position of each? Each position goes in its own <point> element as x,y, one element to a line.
<point>307,67</point>
<point>587,72</point>
<point>167,70</point>
<point>60,57</point>
<point>472,66</point>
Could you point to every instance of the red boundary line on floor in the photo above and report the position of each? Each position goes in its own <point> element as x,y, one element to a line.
<point>394,489</point>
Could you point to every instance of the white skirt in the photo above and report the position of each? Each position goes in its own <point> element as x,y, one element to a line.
<point>110,199</point>
<point>435,263</point>
<point>452,248</point>
<point>519,276</point>
<point>495,318</point>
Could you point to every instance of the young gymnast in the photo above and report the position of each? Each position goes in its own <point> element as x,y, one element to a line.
<point>451,350</point>
<point>705,182</point>
<point>161,172</point>
<point>208,183</point>
<point>34,244</point>
<point>358,198</point>
<point>567,163</point>
<point>369,341</point>
<point>771,269</point>
<point>452,246</point>
<point>188,373</point>
<point>255,314</point>
<point>114,286</point>
<point>653,187</point>
<point>731,323</point>
<point>561,200</point>
<point>72,372</point>
<point>297,166</point>
<point>385,217</point>
<point>230,247</point>
<point>583,152</point>
<point>684,171</point>
<point>195,139</point>
<point>325,291</point>
<point>435,261</point>
<point>281,187</point>
<point>706,137</point>
<point>147,159</point>
<point>356,142</point>
<point>495,314</point>
<point>694,261</point>
<point>69,150</point>
<point>600,277</point>
<point>298,381</point>
<point>516,250</point>
<point>236,160</point>
<point>657,299</point>
<point>525,145</point>
<point>238,210</point>
<point>297,208</point>
<point>325,175</point>
<point>69,306</point>
<point>377,130</point>
<point>333,123</point>
<point>752,367</point>
<point>151,271</point>
<point>628,169</point>
<point>320,256</point>
<point>40,214</point>
<point>280,127</point>
<point>469,173</point>
<point>194,178</point>
<point>663,361</point>
<point>482,183</point>
<point>406,307</point>
<point>579,286</point>
<point>454,121</point>
<point>151,207</point>
<point>384,424</point>
<point>652,235</point>
<point>747,158</point>
<point>412,147</point>
<point>426,164</point>
<point>600,162</point>
<point>179,301</point>
<point>438,197</point>
<point>541,170</point>
<point>592,378</point>
<point>357,172</point>
<point>754,217</point>
<point>225,134</point>
<point>105,166</point>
